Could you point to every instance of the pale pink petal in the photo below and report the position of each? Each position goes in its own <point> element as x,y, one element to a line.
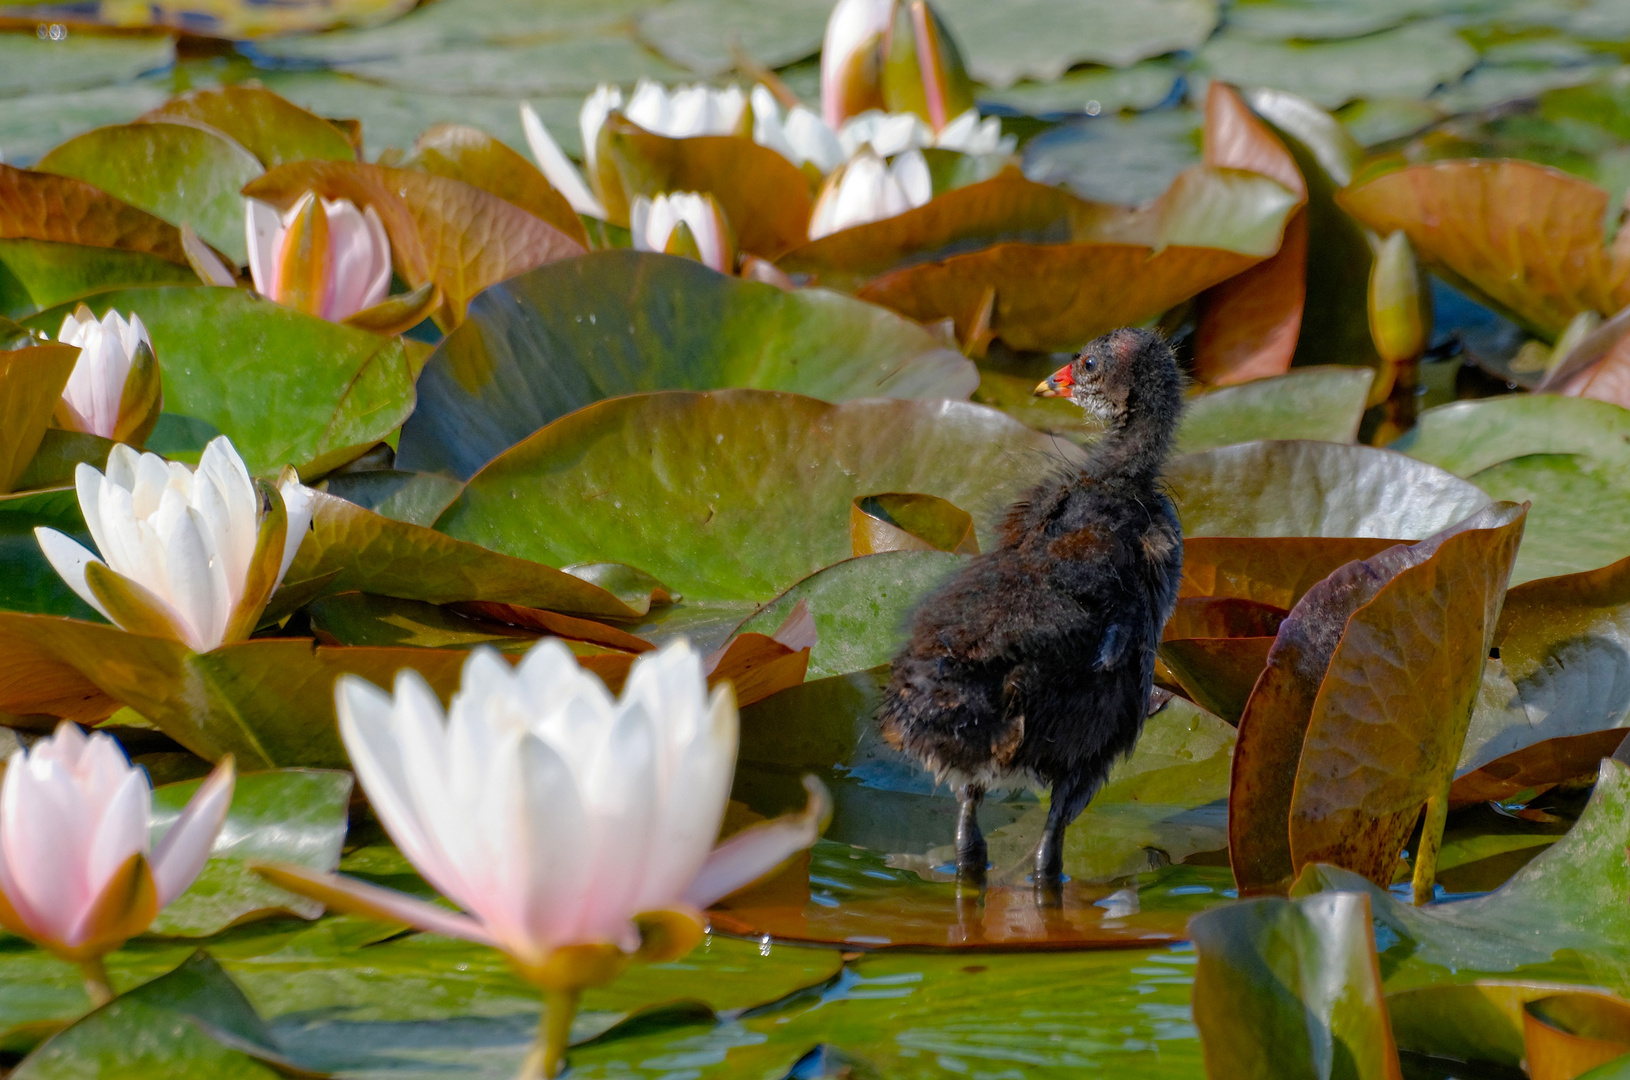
<point>181,855</point>
<point>756,851</point>
<point>45,830</point>
<point>261,227</point>
<point>386,904</point>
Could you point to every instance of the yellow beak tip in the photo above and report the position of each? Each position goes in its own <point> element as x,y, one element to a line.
<point>1045,388</point>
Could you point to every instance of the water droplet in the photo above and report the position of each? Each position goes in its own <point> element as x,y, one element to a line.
<point>1093,108</point>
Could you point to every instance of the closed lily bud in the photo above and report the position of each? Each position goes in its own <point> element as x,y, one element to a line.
<point>923,72</point>
<point>190,555</point>
<point>866,189</point>
<point>576,832</point>
<point>324,258</point>
<point>684,223</point>
<point>852,58</point>
<point>114,390</point>
<point>77,873</point>
<point>1400,307</point>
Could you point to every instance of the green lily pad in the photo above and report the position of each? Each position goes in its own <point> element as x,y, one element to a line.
<point>618,322</point>
<point>1141,86</point>
<point>1563,913</point>
<point>573,65</point>
<point>40,274</point>
<point>290,815</point>
<point>1039,39</point>
<point>1306,403</point>
<point>861,607</point>
<point>192,1023</point>
<point>414,497</point>
<point>1296,488</point>
<point>31,64</point>
<point>271,128</point>
<point>1410,61</point>
<point>1284,986</point>
<point>27,581</point>
<point>208,18</point>
<point>287,388</point>
<point>701,33</point>
<point>1581,514</point>
<point>50,118</point>
<point>188,174</point>
<point>1467,437</point>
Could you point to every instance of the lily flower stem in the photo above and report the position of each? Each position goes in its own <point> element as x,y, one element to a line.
<point>547,1058</point>
<point>97,984</point>
<point>1426,859</point>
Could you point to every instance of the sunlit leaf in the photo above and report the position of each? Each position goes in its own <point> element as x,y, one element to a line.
<point>441,229</point>
<point>473,156</point>
<point>43,206</point>
<point>31,381</point>
<point>273,129</point>
<point>736,494</point>
<point>1217,673</point>
<point>1479,1021</point>
<point>1306,403</point>
<point>1525,237</point>
<point>289,389</point>
<point>40,274</point>
<point>1568,1034</point>
<point>1286,986</point>
<point>190,174</point>
<point>896,521</point>
<point>208,18</point>
<point>291,815</point>
<point>1294,488</point>
<point>554,340</point>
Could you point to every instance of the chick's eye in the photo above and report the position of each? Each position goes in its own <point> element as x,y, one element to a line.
<point>1089,363</point>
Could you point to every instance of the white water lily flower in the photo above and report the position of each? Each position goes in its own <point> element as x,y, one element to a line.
<point>114,390</point>
<point>866,189</point>
<point>574,830</point>
<point>192,555</point>
<point>323,257</point>
<point>77,873</point>
<point>686,111</point>
<point>655,225</point>
<point>801,137</point>
<point>888,134</point>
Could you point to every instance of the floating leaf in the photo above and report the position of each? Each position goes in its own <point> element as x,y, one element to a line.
<point>31,381</point>
<point>34,64</point>
<point>1525,238</point>
<point>189,174</point>
<point>1038,40</point>
<point>1477,1021</point>
<point>1584,511</point>
<point>1275,571</point>
<point>556,339</point>
<point>1306,403</point>
<point>1409,61</point>
<point>40,274</point>
<point>208,18</point>
<point>292,815</point>
<point>1211,225</point>
<point>289,389</point>
<point>736,494</point>
<point>897,521</point>
<point>350,548</point>
<point>1299,683</point>
<point>703,34</point>
<point>765,197</point>
<point>1467,437</point>
<point>1295,488</point>
<point>1284,987</point>
<point>442,230</point>
<point>42,206</point>
<point>476,158</point>
<point>273,129</point>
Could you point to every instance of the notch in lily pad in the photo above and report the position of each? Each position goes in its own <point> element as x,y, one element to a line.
<point>909,521</point>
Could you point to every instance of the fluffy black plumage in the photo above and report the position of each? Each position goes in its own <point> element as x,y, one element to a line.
<point>1036,660</point>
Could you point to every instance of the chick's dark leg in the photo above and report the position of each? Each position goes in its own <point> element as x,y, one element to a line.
<point>1069,797</point>
<point>971,856</point>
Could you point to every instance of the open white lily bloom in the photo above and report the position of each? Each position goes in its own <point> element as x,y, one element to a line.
<point>866,189</point>
<point>77,873</point>
<point>114,390</point>
<point>684,223</point>
<point>192,555</point>
<point>575,831</point>
<point>800,137</point>
<point>322,257</point>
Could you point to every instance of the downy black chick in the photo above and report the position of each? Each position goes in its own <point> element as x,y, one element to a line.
<point>1034,663</point>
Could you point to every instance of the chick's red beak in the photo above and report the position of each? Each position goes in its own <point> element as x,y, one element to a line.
<point>1057,384</point>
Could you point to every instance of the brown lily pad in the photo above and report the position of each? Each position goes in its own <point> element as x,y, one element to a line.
<point>31,382</point>
<point>43,206</point>
<point>897,521</point>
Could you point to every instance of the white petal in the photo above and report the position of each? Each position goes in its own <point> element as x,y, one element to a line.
<point>756,851</point>
<point>69,559</point>
<point>559,171</point>
<point>45,828</point>
<point>910,171</point>
<point>592,117</point>
<point>851,24</point>
<point>181,855</point>
<point>261,228</point>
<point>299,505</point>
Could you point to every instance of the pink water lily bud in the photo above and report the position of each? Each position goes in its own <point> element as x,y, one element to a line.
<point>78,873</point>
<point>923,71</point>
<point>575,831</point>
<point>868,189</point>
<point>684,223</point>
<point>852,58</point>
<point>191,555</point>
<point>322,257</point>
<point>114,390</point>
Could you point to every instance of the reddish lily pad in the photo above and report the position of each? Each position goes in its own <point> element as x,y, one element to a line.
<point>473,156</point>
<point>43,206</point>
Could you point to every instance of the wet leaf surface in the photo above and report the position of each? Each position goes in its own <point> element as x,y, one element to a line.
<point>784,471</point>
<point>546,343</point>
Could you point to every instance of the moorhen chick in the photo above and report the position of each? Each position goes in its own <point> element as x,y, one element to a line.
<point>1035,661</point>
